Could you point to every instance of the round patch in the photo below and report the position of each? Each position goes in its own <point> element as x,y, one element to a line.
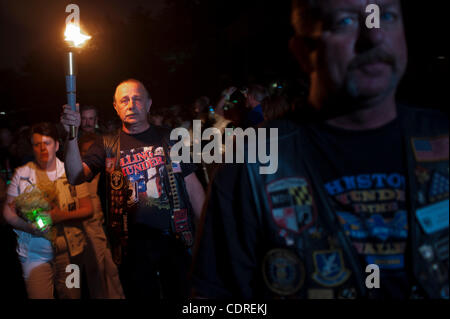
<point>283,272</point>
<point>116,179</point>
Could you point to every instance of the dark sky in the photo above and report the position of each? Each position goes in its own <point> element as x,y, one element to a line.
<point>27,25</point>
<point>181,49</point>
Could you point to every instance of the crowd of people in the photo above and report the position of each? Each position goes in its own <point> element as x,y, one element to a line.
<point>35,153</point>
<point>361,180</point>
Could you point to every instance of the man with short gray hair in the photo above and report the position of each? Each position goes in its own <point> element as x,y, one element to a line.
<point>152,201</point>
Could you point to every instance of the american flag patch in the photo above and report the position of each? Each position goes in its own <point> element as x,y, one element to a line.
<point>430,149</point>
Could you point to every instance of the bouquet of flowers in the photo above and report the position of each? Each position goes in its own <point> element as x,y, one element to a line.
<point>33,206</point>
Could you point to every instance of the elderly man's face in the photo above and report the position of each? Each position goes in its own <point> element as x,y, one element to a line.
<point>350,59</point>
<point>132,103</point>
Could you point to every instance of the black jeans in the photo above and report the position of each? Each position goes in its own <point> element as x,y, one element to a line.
<point>156,267</point>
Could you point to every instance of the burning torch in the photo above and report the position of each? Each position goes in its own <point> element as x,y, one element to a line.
<point>75,39</point>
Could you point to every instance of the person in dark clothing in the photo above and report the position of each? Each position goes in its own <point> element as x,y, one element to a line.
<point>153,202</point>
<point>12,285</point>
<point>255,95</point>
<point>361,181</point>
<point>275,107</point>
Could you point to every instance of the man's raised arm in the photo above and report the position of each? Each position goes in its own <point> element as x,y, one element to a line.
<point>77,172</point>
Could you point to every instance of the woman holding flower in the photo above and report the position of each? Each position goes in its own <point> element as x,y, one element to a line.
<point>46,213</point>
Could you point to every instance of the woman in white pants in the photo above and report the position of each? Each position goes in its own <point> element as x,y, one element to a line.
<point>44,263</point>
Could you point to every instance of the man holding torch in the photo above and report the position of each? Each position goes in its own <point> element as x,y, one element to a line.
<point>152,200</point>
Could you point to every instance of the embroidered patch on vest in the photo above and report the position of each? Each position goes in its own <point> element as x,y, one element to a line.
<point>329,266</point>
<point>292,204</point>
<point>438,188</point>
<point>283,271</point>
<point>434,218</point>
<point>430,149</point>
<point>116,179</point>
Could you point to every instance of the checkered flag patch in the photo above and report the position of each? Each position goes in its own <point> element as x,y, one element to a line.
<point>301,195</point>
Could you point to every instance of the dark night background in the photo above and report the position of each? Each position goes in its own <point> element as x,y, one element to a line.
<point>181,49</point>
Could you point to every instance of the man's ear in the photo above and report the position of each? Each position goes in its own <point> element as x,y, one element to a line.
<point>302,48</point>
<point>57,146</point>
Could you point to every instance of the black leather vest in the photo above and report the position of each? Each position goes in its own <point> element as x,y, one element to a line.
<point>308,254</point>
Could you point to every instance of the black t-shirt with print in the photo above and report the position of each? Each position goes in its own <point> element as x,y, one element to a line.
<point>142,160</point>
<point>364,175</point>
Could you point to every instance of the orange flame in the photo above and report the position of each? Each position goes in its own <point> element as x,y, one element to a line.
<point>73,34</point>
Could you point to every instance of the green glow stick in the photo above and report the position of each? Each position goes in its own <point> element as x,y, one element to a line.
<point>40,223</point>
